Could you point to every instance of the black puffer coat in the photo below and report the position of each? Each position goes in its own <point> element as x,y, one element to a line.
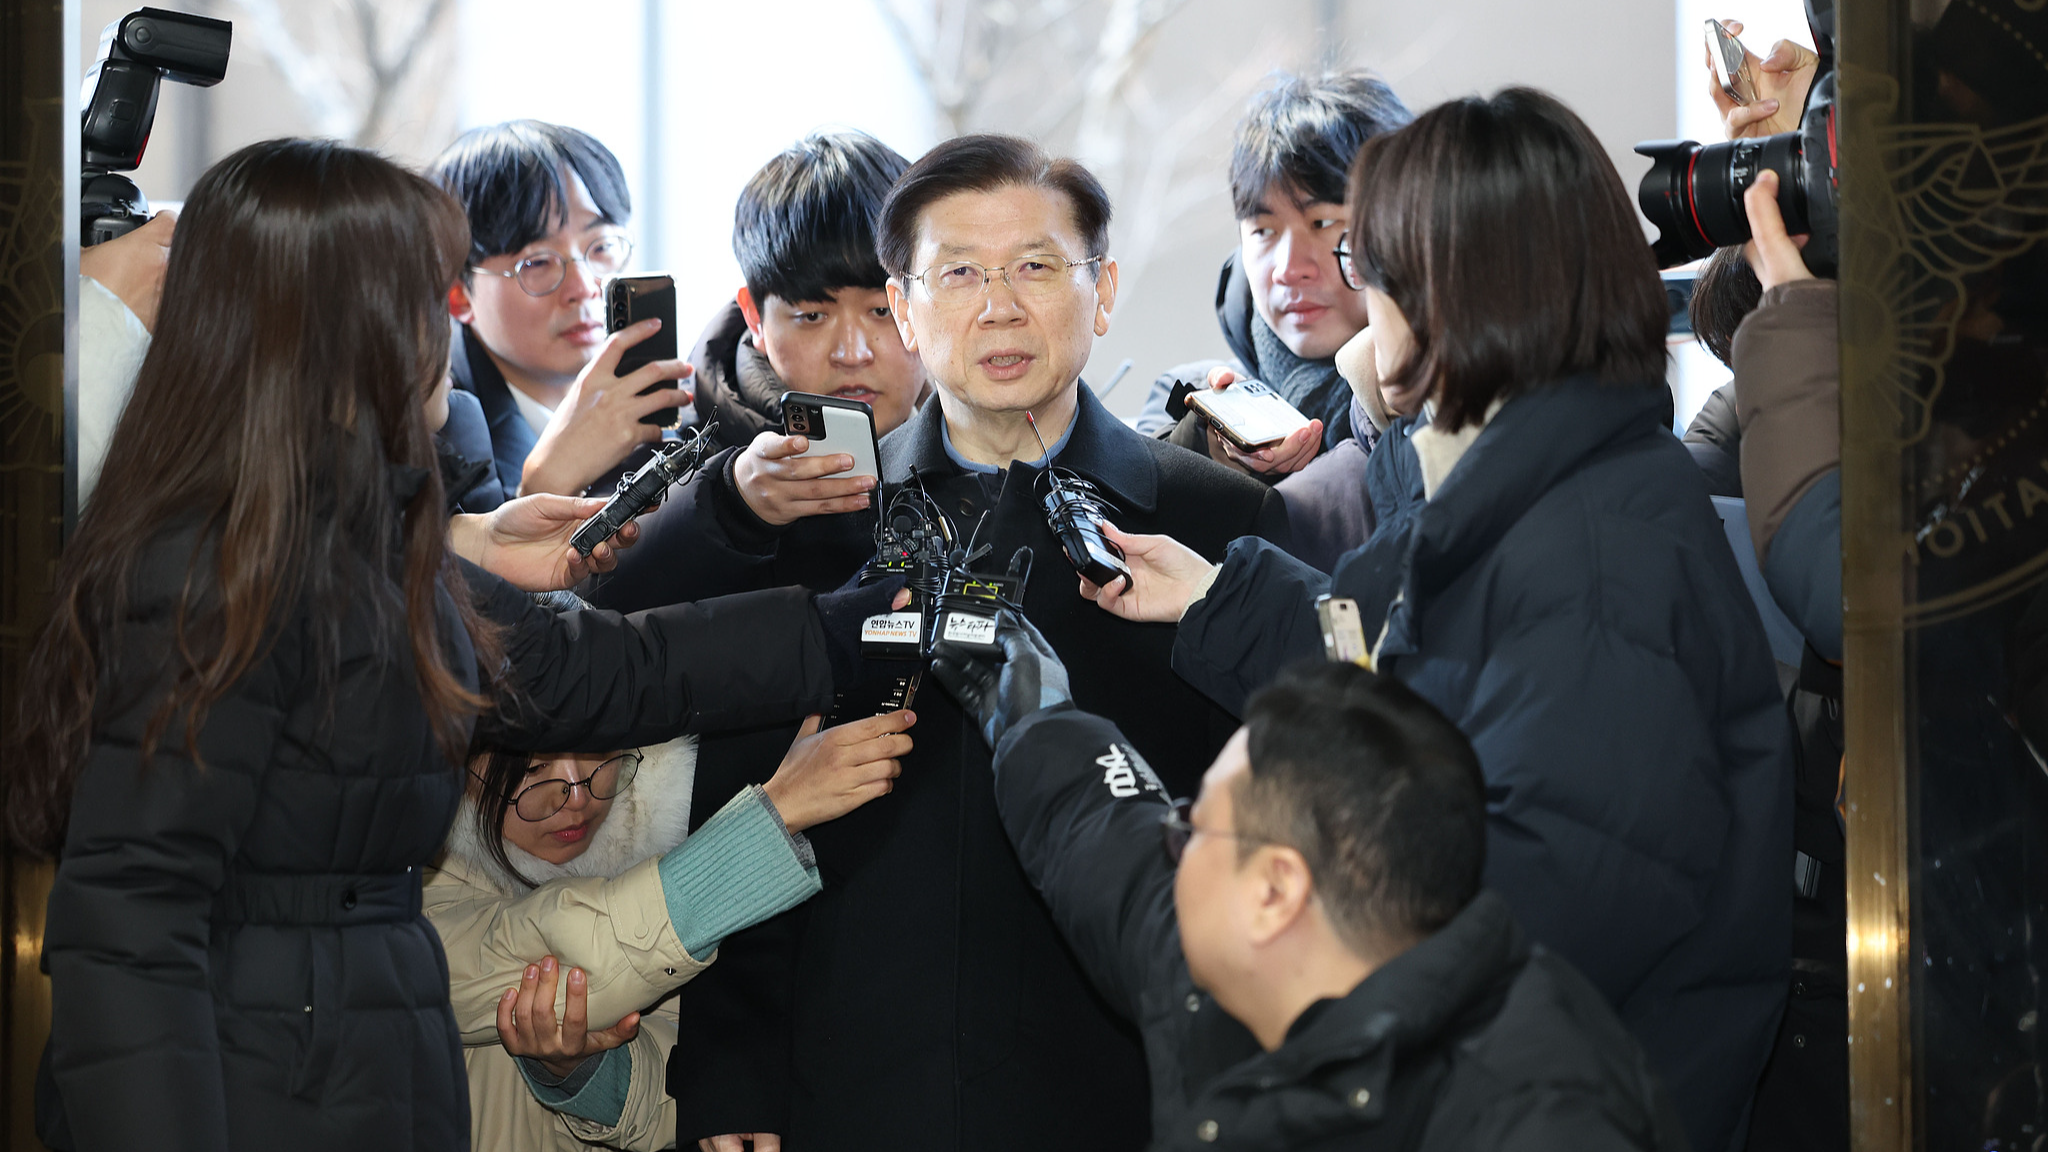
<point>1471,1040</point>
<point>1568,597</point>
<point>236,951</point>
<point>735,384</point>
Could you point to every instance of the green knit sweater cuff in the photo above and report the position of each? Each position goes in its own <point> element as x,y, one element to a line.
<point>737,870</point>
<point>595,1091</point>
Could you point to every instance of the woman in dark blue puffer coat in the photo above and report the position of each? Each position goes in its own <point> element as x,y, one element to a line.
<point>1557,583</point>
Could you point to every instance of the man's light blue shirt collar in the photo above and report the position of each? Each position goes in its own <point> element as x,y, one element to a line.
<point>966,465</point>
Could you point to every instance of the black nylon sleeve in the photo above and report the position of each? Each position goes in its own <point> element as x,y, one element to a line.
<point>1257,618</point>
<point>596,679</point>
<point>1083,812</point>
<point>701,542</point>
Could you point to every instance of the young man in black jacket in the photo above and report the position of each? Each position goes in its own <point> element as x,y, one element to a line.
<point>1311,958</point>
<point>1284,307</point>
<point>812,315</point>
<point>929,1002</point>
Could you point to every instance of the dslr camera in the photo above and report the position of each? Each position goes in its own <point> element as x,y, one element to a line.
<point>1693,192</point>
<point>137,53</point>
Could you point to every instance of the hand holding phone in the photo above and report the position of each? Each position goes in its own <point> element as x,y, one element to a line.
<point>627,301</point>
<point>1241,414</point>
<point>824,461</point>
<point>1729,61</point>
<point>832,426</point>
<point>604,416</point>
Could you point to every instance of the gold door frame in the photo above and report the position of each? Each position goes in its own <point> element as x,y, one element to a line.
<point>39,161</point>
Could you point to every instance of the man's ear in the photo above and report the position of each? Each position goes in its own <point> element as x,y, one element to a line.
<point>751,311</point>
<point>460,305</point>
<point>1105,295</point>
<point>1284,890</point>
<point>899,310</point>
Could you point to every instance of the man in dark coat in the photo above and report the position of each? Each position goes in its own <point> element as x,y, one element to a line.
<point>1284,307</point>
<point>548,208</point>
<point>931,1002</point>
<point>1311,958</point>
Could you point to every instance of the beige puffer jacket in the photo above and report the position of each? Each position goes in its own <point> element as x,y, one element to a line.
<point>603,912</point>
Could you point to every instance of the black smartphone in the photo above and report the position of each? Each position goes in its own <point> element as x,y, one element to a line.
<point>627,301</point>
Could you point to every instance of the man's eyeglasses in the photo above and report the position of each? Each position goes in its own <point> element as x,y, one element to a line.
<point>537,802</point>
<point>1175,830</point>
<point>1347,270</point>
<point>539,273</point>
<point>957,283</point>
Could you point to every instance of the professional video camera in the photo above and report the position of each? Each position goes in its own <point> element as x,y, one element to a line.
<point>137,53</point>
<point>1693,192</point>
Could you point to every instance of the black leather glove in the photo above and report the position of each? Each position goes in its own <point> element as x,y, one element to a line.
<point>842,611</point>
<point>999,691</point>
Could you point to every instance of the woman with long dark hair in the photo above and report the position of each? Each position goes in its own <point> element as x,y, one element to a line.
<point>1549,572</point>
<point>242,729</point>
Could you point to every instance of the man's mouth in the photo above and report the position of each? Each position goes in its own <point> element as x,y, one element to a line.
<point>1304,313</point>
<point>588,333</point>
<point>1007,365</point>
<point>860,392</point>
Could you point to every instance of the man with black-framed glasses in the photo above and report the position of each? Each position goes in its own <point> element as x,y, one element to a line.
<point>1285,309</point>
<point>548,210</point>
<point>1312,960</point>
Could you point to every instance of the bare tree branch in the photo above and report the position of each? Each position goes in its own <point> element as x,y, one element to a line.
<point>311,78</point>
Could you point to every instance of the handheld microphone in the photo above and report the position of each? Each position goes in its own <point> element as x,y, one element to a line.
<point>643,489</point>
<point>1076,514</point>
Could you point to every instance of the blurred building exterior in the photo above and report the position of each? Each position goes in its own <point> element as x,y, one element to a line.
<point>694,96</point>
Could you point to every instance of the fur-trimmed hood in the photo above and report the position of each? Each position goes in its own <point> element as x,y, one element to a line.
<point>650,817</point>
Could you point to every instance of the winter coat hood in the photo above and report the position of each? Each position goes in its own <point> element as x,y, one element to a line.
<point>735,383</point>
<point>646,820</point>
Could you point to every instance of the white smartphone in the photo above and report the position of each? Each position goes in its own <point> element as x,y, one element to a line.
<point>835,427</point>
<point>1248,414</point>
<point>1343,631</point>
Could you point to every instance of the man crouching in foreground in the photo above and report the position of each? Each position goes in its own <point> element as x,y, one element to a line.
<point>1323,893</point>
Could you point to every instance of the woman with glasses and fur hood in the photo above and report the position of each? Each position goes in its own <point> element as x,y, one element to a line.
<point>578,873</point>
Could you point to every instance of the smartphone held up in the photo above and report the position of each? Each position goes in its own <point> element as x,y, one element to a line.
<point>627,301</point>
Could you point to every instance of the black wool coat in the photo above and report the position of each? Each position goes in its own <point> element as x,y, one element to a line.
<point>925,1000</point>
<point>235,945</point>
<point>1469,1041</point>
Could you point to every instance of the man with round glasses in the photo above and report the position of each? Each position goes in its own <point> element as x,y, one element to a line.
<point>929,1001</point>
<point>548,209</point>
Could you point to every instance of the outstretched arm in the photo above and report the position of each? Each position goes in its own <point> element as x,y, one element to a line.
<point>1083,810</point>
<point>596,679</point>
